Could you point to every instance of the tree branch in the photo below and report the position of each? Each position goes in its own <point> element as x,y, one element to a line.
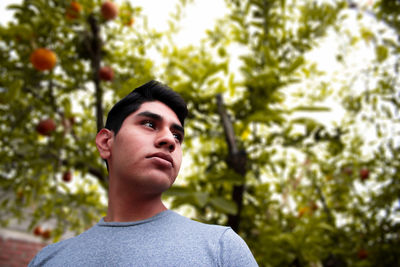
<point>228,128</point>
<point>236,161</point>
<point>95,58</point>
<point>324,205</point>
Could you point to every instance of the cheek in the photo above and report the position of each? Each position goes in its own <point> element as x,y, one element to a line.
<point>129,149</point>
<point>178,160</point>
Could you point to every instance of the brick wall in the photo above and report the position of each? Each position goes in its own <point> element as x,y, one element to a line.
<point>16,253</point>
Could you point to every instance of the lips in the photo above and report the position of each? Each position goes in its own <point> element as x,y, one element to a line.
<point>162,156</point>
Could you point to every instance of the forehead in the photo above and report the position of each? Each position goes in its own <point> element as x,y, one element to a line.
<point>159,108</point>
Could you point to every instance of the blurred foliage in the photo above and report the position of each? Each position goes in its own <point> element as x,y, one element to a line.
<point>315,192</point>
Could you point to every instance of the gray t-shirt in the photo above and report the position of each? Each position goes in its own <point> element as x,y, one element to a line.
<point>167,239</point>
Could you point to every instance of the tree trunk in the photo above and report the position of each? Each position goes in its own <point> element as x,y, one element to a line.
<point>95,58</point>
<point>236,161</point>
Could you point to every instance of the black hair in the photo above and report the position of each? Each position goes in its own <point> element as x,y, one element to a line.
<point>150,91</point>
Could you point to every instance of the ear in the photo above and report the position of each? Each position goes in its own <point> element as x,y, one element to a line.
<point>104,141</point>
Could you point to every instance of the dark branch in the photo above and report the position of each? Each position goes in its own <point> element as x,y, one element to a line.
<point>95,58</point>
<point>227,124</point>
<point>236,161</point>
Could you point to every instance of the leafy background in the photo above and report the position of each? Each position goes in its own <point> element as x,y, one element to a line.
<point>298,153</point>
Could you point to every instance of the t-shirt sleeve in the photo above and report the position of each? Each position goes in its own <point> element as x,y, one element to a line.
<point>32,262</point>
<point>234,251</point>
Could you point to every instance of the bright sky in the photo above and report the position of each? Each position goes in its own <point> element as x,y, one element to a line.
<point>199,16</point>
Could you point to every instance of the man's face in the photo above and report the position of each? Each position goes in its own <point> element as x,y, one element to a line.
<point>146,152</point>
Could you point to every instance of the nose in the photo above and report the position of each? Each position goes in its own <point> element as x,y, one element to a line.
<point>165,139</point>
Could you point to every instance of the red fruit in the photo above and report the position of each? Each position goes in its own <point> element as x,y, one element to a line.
<point>38,231</point>
<point>73,10</point>
<point>46,234</point>
<point>46,127</point>
<point>20,195</point>
<point>362,254</point>
<point>67,176</point>
<point>348,170</point>
<point>106,73</point>
<point>130,22</point>
<point>313,206</point>
<point>364,174</point>
<point>43,59</point>
<point>109,10</point>
<point>302,211</point>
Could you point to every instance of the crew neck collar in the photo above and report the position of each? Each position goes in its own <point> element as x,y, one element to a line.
<point>125,224</point>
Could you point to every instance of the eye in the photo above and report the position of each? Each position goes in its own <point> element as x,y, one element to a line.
<point>149,124</point>
<point>178,137</point>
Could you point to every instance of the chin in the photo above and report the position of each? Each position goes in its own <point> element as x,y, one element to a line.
<point>161,181</point>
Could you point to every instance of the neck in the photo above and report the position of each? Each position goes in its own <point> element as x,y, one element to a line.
<point>126,205</point>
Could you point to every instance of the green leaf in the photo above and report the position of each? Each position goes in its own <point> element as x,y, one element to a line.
<point>311,109</point>
<point>226,176</point>
<point>224,205</point>
<point>326,226</point>
<point>297,63</point>
<point>200,198</point>
<point>265,117</point>
<point>381,53</point>
<point>178,191</point>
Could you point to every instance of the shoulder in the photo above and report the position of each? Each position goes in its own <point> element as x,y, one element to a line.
<point>49,252</point>
<point>183,223</point>
<point>234,250</point>
<point>230,248</point>
<point>56,251</point>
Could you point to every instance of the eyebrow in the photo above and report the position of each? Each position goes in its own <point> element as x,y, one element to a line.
<point>157,117</point>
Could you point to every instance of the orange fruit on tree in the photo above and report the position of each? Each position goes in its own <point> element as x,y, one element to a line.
<point>106,73</point>
<point>46,234</point>
<point>313,206</point>
<point>67,176</point>
<point>303,211</point>
<point>109,10</point>
<point>73,10</point>
<point>38,231</point>
<point>364,174</point>
<point>362,254</point>
<point>46,127</point>
<point>43,59</point>
<point>130,22</point>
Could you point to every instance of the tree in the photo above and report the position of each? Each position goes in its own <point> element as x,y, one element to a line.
<point>70,96</point>
<point>295,187</point>
<point>299,190</point>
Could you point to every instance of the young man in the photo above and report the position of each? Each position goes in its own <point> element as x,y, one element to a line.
<point>141,145</point>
